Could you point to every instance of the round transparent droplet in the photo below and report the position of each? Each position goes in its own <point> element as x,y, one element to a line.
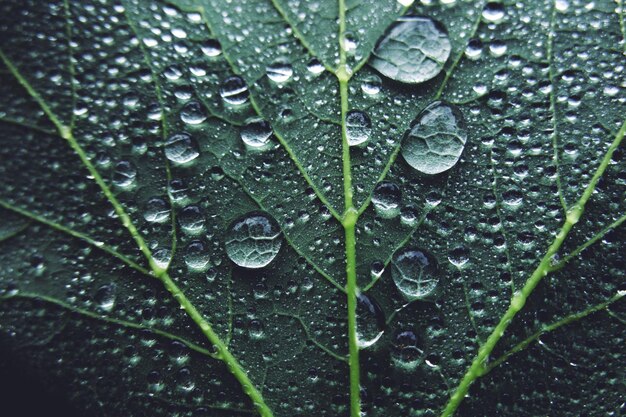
<point>279,71</point>
<point>211,48</point>
<point>315,66</point>
<point>371,85</point>
<point>256,134</point>
<point>493,12</point>
<point>157,210</point>
<point>405,351</point>
<point>193,113</point>
<point>415,273</point>
<point>474,49</point>
<point>124,174</point>
<point>253,241</point>
<point>256,329</point>
<point>376,269</point>
<point>196,256</point>
<point>105,297</point>
<point>408,215</point>
<point>358,127</point>
<point>162,257</point>
<point>234,91</point>
<point>370,321</point>
<point>386,198</point>
<point>413,50</point>
<point>173,72</point>
<point>435,142</point>
<point>191,219</point>
<point>181,148</point>
<point>459,256</point>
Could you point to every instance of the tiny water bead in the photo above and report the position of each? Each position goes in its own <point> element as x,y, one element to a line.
<point>256,134</point>
<point>386,199</point>
<point>493,12</point>
<point>253,240</point>
<point>370,321</point>
<point>181,148</point>
<point>279,71</point>
<point>435,142</point>
<point>193,113</point>
<point>234,91</point>
<point>413,50</point>
<point>358,127</point>
<point>415,273</point>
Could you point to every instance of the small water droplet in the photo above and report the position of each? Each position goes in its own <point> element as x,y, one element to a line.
<point>234,91</point>
<point>358,127</point>
<point>196,256</point>
<point>124,174</point>
<point>386,199</point>
<point>371,85</point>
<point>415,273</point>
<point>211,48</point>
<point>493,12</point>
<point>279,71</point>
<point>193,113</point>
<point>405,351</point>
<point>156,211</point>
<point>370,321</point>
<point>256,330</point>
<point>105,297</point>
<point>256,134</point>
<point>191,219</point>
<point>408,215</point>
<point>315,66</point>
<point>459,256</point>
<point>253,240</point>
<point>181,148</point>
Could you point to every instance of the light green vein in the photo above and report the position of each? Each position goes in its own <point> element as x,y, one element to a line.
<point>28,125</point>
<point>120,322</point>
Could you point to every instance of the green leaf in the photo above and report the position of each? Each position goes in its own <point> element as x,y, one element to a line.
<point>296,208</point>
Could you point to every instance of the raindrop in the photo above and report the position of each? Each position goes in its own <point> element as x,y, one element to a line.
<point>196,256</point>
<point>376,269</point>
<point>181,148</point>
<point>279,71</point>
<point>435,142</point>
<point>386,199</point>
<point>156,210</point>
<point>211,48</point>
<point>124,174</point>
<point>191,219</point>
<point>413,50</point>
<point>405,351</point>
<point>253,240</point>
<point>315,66</point>
<point>234,91</point>
<point>358,127</point>
<point>256,134</point>
<point>105,297</point>
<point>192,113</point>
<point>256,330</point>
<point>459,256</point>
<point>493,12</point>
<point>474,49</point>
<point>371,85</point>
<point>415,273</point>
<point>408,215</point>
<point>370,321</point>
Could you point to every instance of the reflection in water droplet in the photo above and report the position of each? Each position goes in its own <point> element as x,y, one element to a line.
<point>386,199</point>
<point>405,351</point>
<point>253,241</point>
<point>156,211</point>
<point>234,91</point>
<point>196,256</point>
<point>435,142</point>
<point>279,71</point>
<point>211,48</point>
<point>371,85</point>
<point>124,174</point>
<point>493,11</point>
<point>413,50</point>
<point>192,113</point>
<point>459,256</point>
<point>370,321</point>
<point>181,148</point>
<point>105,297</point>
<point>256,134</point>
<point>191,219</point>
<point>358,127</point>
<point>415,273</point>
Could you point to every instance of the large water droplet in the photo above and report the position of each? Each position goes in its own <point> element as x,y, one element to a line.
<point>386,199</point>
<point>415,273</point>
<point>435,142</point>
<point>234,91</point>
<point>358,127</point>
<point>181,148</point>
<point>253,240</point>
<point>413,50</point>
<point>370,321</point>
<point>256,134</point>
<point>279,71</point>
<point>192,113</point>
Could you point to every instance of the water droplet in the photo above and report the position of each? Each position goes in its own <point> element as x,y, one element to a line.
<point>156,210</point>
<point>376,269</point>
<point>234,91</point>
<point>181,148</point>
<point>191,219</point>
<point>358,127</point>
<point>105,297</point>
<point>192,113</point>
<point>415,273</point>
<point>371,85</point>
<point>349,42</point>
<point>211,48</point>
<point>413,50</point>
<point>435,142</point>
<point>497,48</point>
<point>459,256</point>
<point>386,199</point>
<point>279,71</point>
<point>474,49</point>
<point>256,134</point>
<point>405,351</point>
<point>173,72</point>
<point>253,240</point>
<point>256,330</point>
<point>196,256</point>
<point>408,215</point>
<point>315,66</point>
<point>162,257</point>
<point>124,174</point>
<point>493,12</point>
<point>370,321</point>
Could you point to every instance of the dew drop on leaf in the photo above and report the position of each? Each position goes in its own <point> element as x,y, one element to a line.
<point>124,174</point>
<point>157,210</point>
<point>196,256</point>
<point>459,256</point>
<point>211,48</point>
<point>192,113</point>
<point>315,67</point>
<point>358,127</point>
<point>279,71</point>
<point>415,273</point>
<point>413,50</point>
<point>435,142</point>
<point>405,352</point>
<point>386,199</point>
<point>370,321</point>
<point>371,85</point>
<point>181,148</point>
<point>408,215</point>
<point>105,297</point>
<point>493,11</point>
<point>234,91</point>
<point>253,240</point>
<point>162,257</point>
<point>256,134</point>
<point>191,219</point>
